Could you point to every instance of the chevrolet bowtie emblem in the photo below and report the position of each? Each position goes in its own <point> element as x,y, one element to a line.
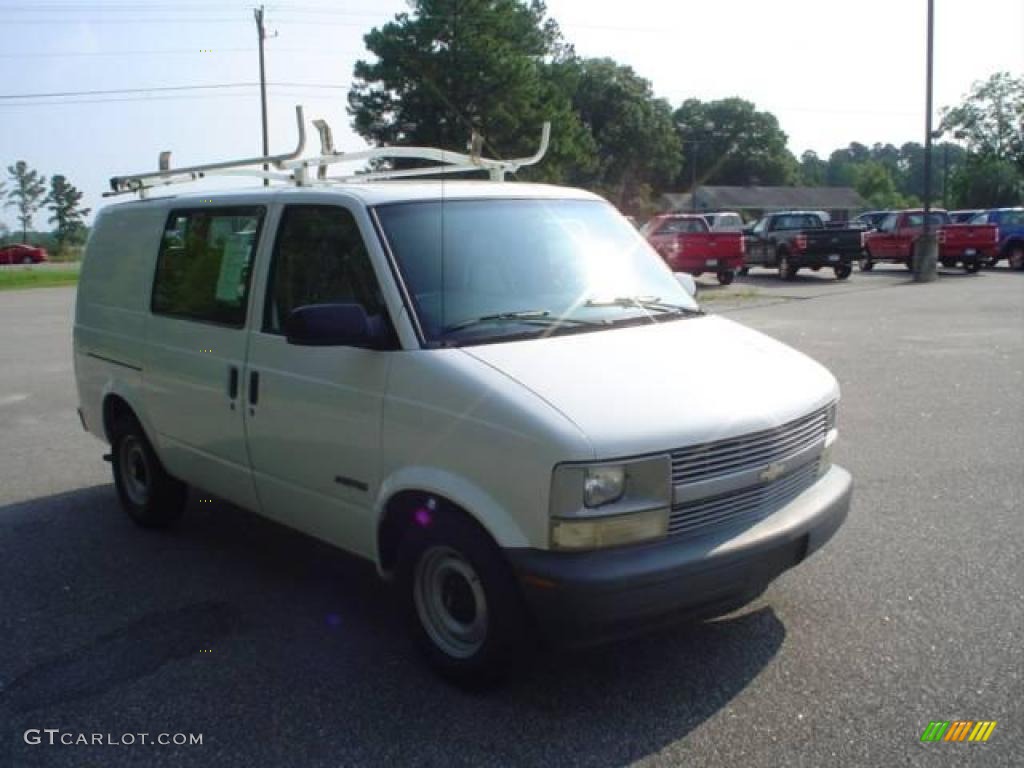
<point>772,471</point>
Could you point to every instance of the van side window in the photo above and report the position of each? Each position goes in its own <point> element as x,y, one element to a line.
<point>319,258</point>
<point>205,264</point>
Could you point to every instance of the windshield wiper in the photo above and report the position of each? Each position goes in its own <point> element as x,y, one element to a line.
<point>528,316</point>
<point>644,302</point>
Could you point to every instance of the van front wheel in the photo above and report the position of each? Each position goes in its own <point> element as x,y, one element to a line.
<point>150,496</point>
<point>463,604</point>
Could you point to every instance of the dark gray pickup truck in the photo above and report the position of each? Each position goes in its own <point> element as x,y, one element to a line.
<point>793,240</point>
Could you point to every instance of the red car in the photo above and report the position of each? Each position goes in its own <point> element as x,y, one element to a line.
<point>970,245</point>
<point>17,253</point>
<point>687,244</point>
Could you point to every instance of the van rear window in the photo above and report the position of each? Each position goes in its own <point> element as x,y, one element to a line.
<point>205,264</point>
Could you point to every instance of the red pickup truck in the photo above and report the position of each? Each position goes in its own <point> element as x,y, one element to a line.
<point>687,244</point>
<point>969,245</point>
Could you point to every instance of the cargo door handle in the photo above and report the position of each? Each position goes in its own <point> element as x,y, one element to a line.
<point>232,382</point>
<point>254,387</point>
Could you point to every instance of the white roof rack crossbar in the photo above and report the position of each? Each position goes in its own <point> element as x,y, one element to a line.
<point>448,161</point>
<point>139,182</point>
<point>296,167</point>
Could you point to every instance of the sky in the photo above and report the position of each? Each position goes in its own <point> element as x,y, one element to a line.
<point>832,72</point>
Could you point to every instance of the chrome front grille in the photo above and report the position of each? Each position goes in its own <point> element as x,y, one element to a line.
<point>747,505</point>
<point>707,461</point>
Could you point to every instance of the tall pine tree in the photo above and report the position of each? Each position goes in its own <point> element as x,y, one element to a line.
<point>26,195</point>
<point>64,200</point>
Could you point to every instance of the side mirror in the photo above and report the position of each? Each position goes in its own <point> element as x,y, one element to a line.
<point>688,283</point>
<point>332,325</point>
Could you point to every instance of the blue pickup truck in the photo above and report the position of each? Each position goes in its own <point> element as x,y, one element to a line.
<point>1011,234</point>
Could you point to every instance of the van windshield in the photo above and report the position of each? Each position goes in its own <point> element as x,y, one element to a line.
<point>486,270</point>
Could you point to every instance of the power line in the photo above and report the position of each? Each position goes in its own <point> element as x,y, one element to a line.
<point>176,51</point>
<point>211,86</point>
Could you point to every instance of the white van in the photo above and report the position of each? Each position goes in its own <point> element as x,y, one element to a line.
<point>497,392</point>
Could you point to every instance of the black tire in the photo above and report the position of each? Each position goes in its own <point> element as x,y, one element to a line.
<point>150,496</point>
<point>910,259</point>
<point>449,566</point>
<point>992,261</point>
<point>744,271</point>
<point>843,271</point>
<point>1015,256</point>
<point>866,264</point>
<point>970,267</point>
<point>726,276</point>
<point>786,270</point>
<point>949,263</point>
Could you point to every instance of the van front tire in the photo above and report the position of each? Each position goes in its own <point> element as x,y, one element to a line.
<point>462,602</point>
<point>150,496</point>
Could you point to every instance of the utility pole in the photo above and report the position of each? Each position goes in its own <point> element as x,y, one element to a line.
<point>926,255</point>
<point>261,33</point>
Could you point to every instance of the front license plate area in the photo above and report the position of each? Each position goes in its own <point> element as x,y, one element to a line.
<point>834,257</point>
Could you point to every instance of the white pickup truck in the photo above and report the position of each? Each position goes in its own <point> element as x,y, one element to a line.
<point>497,392</point>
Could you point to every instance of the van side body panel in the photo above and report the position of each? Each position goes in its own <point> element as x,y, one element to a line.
<point>112,310</point>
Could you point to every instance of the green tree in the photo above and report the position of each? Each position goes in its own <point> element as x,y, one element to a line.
<point>453,66</point>
<point>875,183</point>
<point>26,194</point>
<point>990,120</point>
<point>990,123</point>
<point>812,169</point>
<point>65,200</point>
<point>985,181</point>
<point>637,145</point>
<point>734,144</point>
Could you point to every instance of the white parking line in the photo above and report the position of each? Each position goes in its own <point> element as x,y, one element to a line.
<point>12,399</point>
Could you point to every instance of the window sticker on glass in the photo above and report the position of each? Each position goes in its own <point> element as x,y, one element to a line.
<point>234,268</point>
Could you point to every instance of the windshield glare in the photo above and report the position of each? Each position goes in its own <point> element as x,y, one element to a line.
<point>468,259</point>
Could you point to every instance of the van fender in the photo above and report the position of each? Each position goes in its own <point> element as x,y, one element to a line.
<point>131,393</point>
<point>477,502</point>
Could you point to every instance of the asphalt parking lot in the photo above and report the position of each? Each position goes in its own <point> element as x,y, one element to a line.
<point>283,652</point>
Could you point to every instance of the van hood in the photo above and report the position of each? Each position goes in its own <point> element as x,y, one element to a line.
<point>660,387</point>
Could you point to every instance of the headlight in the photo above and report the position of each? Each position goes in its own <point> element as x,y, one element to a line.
<point>603,485</point>
<point>603,505</point>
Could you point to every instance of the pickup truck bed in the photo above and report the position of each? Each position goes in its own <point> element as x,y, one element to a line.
<point>687,244</point>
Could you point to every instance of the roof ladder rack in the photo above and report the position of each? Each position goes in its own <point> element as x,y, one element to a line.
<point>166,175</point>
<point>294,169</point>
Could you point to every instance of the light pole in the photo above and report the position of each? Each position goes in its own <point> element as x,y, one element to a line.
<point>926,255</point>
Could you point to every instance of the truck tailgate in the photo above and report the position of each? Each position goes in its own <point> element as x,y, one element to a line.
<point>826,241</point>
<point>958,238</point>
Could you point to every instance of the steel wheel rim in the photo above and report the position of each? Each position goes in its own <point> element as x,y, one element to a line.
<point>134,469</point>
<point>450,602</point>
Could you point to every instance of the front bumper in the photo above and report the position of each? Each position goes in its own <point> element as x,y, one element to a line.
<point>582,598</point>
